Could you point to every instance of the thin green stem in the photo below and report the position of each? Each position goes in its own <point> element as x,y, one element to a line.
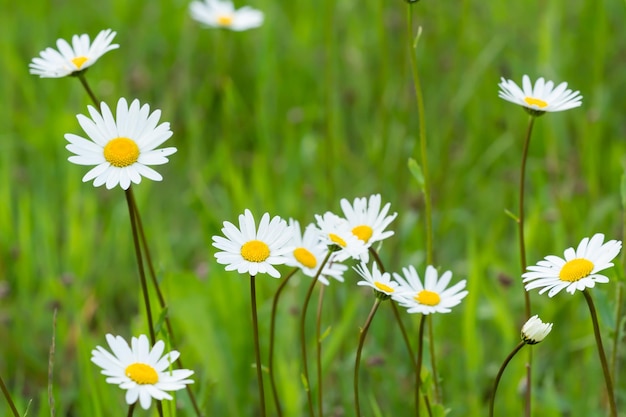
<point>603,361</point>
<point>131,409</point>
<point>257,349</point>
<point>499,375</point>
<point>433,363</point>
<point>318,338</point>
<point>418,366</point>
<point>405,336</point>
<point>83,80</point>
<point>7,396</point>
<point>359,349</point>
<point>305,306</point>
<point>279,291</point>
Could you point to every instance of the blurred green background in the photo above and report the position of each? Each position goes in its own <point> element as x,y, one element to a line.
<point>314,106</point>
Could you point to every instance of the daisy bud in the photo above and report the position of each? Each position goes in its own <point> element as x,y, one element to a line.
<point>534,330</point>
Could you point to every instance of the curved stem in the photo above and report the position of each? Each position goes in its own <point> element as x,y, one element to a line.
<point>418,366</point>
<point>131,409</point>
<point>305,367</point>
<point>605,366</point>
<point>7,396</point>
<point>519,346</point>
<point>405,336</point>
<point>83,81</point>
<point>257,350</point>
<point>272,331</point>
<point>318,338</point>
<point>359,349</point>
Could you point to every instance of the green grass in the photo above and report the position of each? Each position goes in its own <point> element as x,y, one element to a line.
<point>314,106</point>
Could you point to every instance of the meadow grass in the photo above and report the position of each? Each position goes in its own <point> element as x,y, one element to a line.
<point>314,106</point>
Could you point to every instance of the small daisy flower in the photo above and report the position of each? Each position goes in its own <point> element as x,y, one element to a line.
<point>579,269</point>
<point>541,98</point>
<point>381,283</point>
<point>430,297</point>
<point>121,148</point>
<point>142,371</point>
<point>222,14</point>
<point>366,219</point>
<point>249,251</point>
<point>308,253</point>
<point>70,59</point>
<point>336,231</point>
<point>534,330</point>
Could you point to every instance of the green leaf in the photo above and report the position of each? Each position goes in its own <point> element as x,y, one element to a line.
<point>417,173</point>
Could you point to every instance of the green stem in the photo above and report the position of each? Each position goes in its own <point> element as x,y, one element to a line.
<point>279,291</point>
<point>305,367</point>
<point>7,396</point>
<point>257,350</point>
<point>131,409</point>
<point>318,338</point>
<point>603,361</point>
<point>418,366</point>
<point>83,81</point>
<point>499,375</point>
<point>359,349</point>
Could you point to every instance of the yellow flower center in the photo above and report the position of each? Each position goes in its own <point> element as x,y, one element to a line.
<point>305,257</point>
<point>121,152</point>
<point>142,374</point>
<point>576,269</point>
<point>336,239</point>
<point>531,101</point>
<point>225,20</point>
<point>383,287</point>
<point>79,61</point>
<point>363,232</point>
<point>429,298</point>
<point>255,251</point>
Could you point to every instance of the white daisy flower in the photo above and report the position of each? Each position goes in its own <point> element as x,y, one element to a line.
<point>336,231</point>
<point>534,330</point>
<point>222,14</point>
<point>143,371</point>
<point>381,283</point>
<point>543,97</point>
<point>366,219</point>
<point>73,58</point>
<point>430,297</point>
<point>121,148</point>
<point>309,252</point>
<point>579,269</point>
<point>249,251</point>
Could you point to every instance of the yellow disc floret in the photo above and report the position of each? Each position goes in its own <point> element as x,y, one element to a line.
<point>255,251</point>
<point>79,61</point>
<point>429,298</point>
<point>363,232</point>
<point>225,20</point>
<point>121,152</point>
<point>142,374</point>
<point>338,240</point>
<point>383,287</point>
<point>576,269</point>
<point>531,101</point>
<point>305,257</point>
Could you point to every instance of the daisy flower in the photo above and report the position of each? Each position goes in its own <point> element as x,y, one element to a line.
<point>381,283</point>
<point>430,297</point>
<point>222,14</point>
<point>367,220</point>
<point>541,98</point>
<point>73,58</point>
<point>308,253</point>
<point>142,371</point>
<point>534,330</point>
<point>249,251</point>
<point>336,231</point>
<point>121,148</point>
<point>579,269</point>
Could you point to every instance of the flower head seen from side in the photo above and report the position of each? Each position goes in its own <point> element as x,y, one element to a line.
<point>367,220</point>
<point>222,14</point>
<point>308,252</point>
<point>534,330</point>
<point>143,371</point>
<point>382,283</point>
<point>432,296</point>
<point>578,270</point>
<point>335,232</point>
<point>121,147</point>
<point>251,251</point>
<point>540,98</point>
<point>70,59</point>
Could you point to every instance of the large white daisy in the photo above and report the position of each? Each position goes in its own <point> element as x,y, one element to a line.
<point>335,231</point>
<point>121,147</point>
<point>251,251</point>
<point>367,220</point>
<point>579,269</point>
<point>543,97</point>
<point>380,282</point>
<point>222,14</point>
<point>144,372</point>
<point>432,296</point>
<point>309,252</point>
<point>78,56</point>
